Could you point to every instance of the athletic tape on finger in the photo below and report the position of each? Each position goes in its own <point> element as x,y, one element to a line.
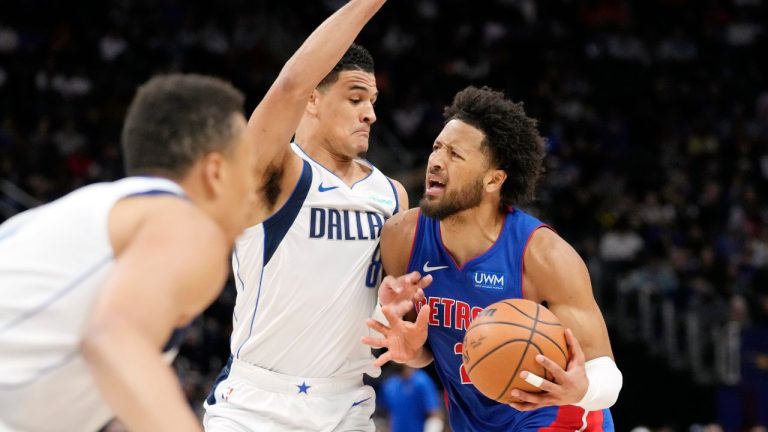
<point>534,380</point>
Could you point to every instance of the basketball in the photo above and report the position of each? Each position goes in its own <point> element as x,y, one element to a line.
<point>504,340</point>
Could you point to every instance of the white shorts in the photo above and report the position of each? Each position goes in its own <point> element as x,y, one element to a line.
<point>254,399</point>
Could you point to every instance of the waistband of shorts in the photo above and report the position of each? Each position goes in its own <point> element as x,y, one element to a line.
<point>288,384</point>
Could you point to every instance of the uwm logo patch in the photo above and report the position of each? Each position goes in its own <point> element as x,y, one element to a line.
<point>489,280</point>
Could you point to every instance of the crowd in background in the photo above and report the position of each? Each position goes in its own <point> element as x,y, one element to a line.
<point>655,114</point>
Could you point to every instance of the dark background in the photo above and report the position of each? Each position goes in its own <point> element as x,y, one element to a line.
<point>655,112</point>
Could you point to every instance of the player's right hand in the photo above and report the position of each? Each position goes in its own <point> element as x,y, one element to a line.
<point>568,386</point>
<point>400,293</point>
<point>404,340</point>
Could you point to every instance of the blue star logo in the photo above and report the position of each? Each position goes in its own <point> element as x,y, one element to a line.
<point>303,387</point>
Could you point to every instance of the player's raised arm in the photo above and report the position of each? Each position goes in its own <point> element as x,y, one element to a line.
<point>555,273</point>
<point>274,120</point>
<point>161,279</point>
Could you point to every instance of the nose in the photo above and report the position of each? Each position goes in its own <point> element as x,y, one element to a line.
<point>435,163</point>
<point>368,115</point>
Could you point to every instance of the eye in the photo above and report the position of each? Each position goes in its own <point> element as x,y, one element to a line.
<point>355,101</point>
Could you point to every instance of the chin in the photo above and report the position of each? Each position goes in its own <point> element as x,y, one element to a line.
<point>361,151</point>
<point>430,206</point>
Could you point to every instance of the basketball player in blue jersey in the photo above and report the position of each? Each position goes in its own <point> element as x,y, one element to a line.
<point>93,284</point>
<point>308,267</point>
<point>480,248</point>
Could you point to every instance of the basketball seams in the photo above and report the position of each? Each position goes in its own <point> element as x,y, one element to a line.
<point>496,348</point>
<point>525,351</point>
<point>505,346</point>
<point>538,332</point>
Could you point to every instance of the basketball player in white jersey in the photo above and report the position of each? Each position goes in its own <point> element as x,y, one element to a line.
<point>93,284</point>
<point>308,267</point>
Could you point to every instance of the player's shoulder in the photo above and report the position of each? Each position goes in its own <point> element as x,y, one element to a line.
<point>548,257</point>
<point>402,194</point>
<point>173,220</point>
<point>403,224</point>
<point>186,220</point>
<point>397,241</point>
<point>545,244</point>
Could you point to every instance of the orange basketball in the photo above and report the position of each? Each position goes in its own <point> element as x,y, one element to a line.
<point>504,340</point>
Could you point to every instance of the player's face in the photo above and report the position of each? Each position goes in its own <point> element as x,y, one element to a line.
<point>345,112</point>
<point>239,191</point>
<point>455,171</point>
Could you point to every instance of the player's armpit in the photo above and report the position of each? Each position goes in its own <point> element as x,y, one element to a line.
<point>173,266</point>
<point>555,273</point>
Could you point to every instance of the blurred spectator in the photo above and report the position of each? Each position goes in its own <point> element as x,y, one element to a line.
<point>411,398</point>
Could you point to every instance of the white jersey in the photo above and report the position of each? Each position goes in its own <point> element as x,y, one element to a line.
<point>307,277</point>
<point>53,260</point>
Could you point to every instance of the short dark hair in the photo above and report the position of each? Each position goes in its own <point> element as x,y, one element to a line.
<point>174,119</point>
<point>511,138</point>
<point>356,58</point>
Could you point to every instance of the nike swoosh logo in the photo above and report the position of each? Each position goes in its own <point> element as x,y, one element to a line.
<point>354,404</point>
<point>326,189</point>
<point>428,269</point>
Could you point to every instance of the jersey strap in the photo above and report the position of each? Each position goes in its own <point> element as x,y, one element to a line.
<point>276,227</point>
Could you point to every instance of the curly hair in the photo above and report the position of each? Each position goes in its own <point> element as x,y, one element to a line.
<point>511,138</point>
<point>356,58</point>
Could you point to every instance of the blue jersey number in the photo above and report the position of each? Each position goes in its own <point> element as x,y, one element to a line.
<point>374,270</point>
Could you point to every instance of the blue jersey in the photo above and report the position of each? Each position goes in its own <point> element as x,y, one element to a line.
<point>456,296</point>
<point>410,401</point>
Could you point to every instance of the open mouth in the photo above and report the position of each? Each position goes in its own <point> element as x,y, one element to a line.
<point>435,187</point>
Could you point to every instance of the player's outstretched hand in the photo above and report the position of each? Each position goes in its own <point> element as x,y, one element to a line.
<point>569,386</point>
<point>400,293</point>
<point>404,340</point>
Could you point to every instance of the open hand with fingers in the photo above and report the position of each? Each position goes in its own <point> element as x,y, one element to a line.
<point>404,340</point>
<point>569,385</point>
<point>400,293</point>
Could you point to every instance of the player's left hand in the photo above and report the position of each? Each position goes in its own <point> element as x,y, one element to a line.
<point>400,293</point>
<point>404,340</point>
<point>569,386</point>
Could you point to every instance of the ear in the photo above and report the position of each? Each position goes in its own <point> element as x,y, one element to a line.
<point>314,100</point>
<point>494,179</point>
<point>214,173</point>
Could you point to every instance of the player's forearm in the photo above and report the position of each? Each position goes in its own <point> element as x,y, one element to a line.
<point>325,46</point>
<point>136,382</point>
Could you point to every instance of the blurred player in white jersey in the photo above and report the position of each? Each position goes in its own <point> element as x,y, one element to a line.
<point>308,268</point>
<point>92,285</point>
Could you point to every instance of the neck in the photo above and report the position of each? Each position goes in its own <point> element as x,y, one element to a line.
<point>200,195</point>
<point>471,232</point>
<point>320,149</point>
